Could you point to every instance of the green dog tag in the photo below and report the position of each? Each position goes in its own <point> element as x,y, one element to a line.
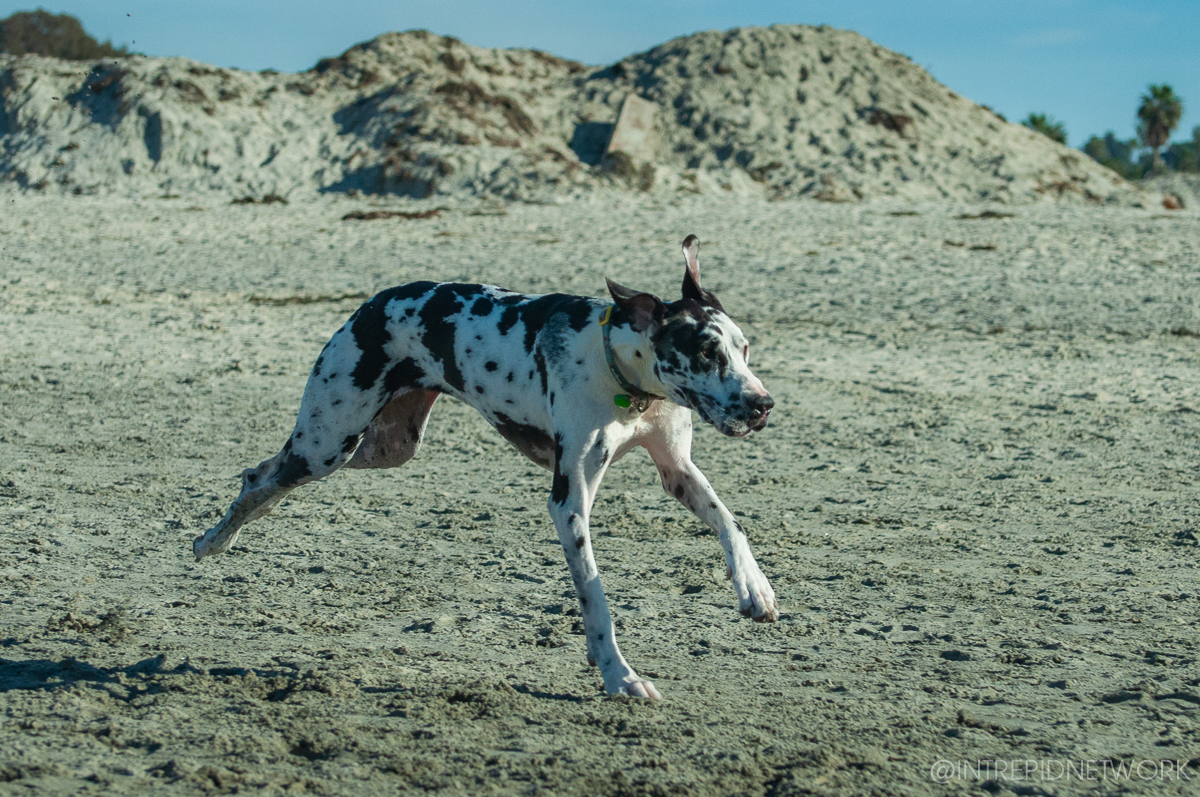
<point>621,400</point>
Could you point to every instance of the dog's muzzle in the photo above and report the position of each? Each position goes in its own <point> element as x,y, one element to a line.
<point>759,408</point>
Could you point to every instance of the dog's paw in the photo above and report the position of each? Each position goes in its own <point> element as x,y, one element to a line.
<point>756,599</point>
<point>212,543</point>
<point>635,686</point>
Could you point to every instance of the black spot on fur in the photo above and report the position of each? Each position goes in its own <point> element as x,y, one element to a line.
<point>712,504</point>
<point>535,313</point>
<point>490,366</point>
<point>297,435</point>
<point>540,362</point>
<point>317,366</point>
<point>252,478</point>
<point>482,306</point>
<point>580,541</point>
<point>679,491</point>
<point>561,487</point>
<point>440,330</point>
<point>479,389</point>
<point>331,460</point>
<point>405,373</point>
<point>552,399</point>
<point>293,469</point>
<point>508,319</point>
<point>369,327</point>
<point>350,443</point>
<point>510,376</point>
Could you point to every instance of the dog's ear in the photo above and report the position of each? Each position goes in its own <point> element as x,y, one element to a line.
<point>642,309</point>
<point>691,274</point>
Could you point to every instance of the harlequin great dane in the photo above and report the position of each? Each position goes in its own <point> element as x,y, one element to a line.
<point>572,382</point>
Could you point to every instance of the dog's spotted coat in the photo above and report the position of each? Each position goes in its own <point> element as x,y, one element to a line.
<point>535,368</point>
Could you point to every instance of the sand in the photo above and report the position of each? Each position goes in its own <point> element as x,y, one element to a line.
<point>975,501</point>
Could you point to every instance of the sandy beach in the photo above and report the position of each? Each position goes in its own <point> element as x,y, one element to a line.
<point>975,500</point>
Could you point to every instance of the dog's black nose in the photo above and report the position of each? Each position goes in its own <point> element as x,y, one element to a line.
<point>760,406</point>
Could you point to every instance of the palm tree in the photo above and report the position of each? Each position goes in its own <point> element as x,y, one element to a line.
<point>1048,126</point>
<point>1158,115</point>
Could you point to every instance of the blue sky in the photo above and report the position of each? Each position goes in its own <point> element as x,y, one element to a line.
<point>1085,62</point>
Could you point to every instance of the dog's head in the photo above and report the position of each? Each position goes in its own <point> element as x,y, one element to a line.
<point>700,355</point>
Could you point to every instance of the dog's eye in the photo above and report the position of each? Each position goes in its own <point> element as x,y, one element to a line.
<point>710,351</point>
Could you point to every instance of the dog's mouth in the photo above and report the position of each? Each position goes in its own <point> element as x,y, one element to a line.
<point>735,427</point>
<point>742,429</point>
<point>755,426</point>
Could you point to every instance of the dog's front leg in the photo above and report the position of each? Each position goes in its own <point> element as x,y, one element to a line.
<point>578,468</point>
<point>683,480</point>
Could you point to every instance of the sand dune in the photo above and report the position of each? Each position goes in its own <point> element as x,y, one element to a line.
<point>779,112</point>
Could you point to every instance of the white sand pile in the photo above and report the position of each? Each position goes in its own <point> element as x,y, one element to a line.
<point>1181,187</point>
<point>784,111</point>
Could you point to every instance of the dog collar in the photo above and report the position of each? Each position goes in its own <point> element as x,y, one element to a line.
<point>634,397</point>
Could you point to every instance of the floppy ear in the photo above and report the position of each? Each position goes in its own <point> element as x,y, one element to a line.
<point>691,275</point>
<point>642,309</point>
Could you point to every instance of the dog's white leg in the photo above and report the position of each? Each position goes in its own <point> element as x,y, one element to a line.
<point>683,480</point>
<point>578,468</point>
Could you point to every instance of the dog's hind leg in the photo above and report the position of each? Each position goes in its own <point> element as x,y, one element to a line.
<point>262,488</point>
<point>395,434</point>
<point>388,440</point>
<point>337,411</point>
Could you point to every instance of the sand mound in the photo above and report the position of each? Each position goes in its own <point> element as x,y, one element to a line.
<point>1184,189</point>
<point>785,111</point>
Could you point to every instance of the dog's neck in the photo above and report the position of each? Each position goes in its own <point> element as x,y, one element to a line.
<point>626,345</point>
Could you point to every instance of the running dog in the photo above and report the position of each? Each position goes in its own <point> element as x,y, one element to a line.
<point>572,382</point>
